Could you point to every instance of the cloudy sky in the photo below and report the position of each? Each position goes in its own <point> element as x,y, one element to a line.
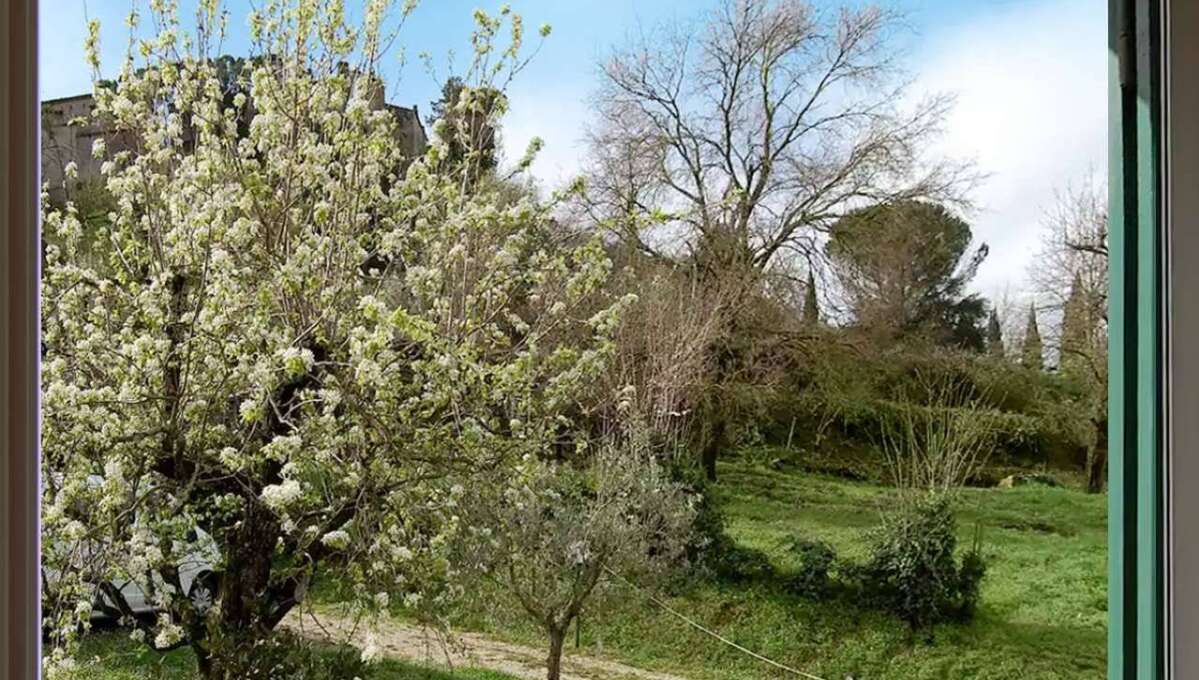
<point>1029,77</point>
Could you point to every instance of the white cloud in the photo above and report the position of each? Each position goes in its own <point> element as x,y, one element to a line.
<point>1031,86</point>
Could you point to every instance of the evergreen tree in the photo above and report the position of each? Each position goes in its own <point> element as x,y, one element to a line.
<point>994,335</point>
<point>905,266</point>
<point>1031,354</point>
<point>1076,331</point>
<point>471,129</point>
<point>811,307</point>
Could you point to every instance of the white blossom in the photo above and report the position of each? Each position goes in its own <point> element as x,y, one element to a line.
<point>168,634</point>
<point>241,246</point>
<point>338,539</point>
<point>279,496</point>
<point>371,651</point>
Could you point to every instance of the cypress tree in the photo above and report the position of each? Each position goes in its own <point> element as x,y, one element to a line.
<point>811,307</point>
<point>994,335</point>
<point>1074,329</point>
<point>1031,354</point>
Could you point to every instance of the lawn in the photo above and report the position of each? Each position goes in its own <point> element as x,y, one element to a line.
<point>1042,615</point>
<point>1043,611</point>
<point>111,655</point>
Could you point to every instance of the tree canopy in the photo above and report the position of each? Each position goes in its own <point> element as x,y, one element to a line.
<point>904,266</point>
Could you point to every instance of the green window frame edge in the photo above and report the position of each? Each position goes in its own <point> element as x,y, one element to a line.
<point>1136,507</point>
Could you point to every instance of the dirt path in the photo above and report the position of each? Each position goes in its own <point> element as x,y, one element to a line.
<point>414,643</point>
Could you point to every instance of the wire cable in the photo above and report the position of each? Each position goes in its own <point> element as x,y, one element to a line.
<point>707,631</point>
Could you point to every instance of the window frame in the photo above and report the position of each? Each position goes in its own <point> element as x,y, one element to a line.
<point>1149,611</point>
<point>1180,163</point>
<point>20,611</point>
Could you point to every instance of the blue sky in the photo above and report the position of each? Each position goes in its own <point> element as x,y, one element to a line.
<point>1029,76</point>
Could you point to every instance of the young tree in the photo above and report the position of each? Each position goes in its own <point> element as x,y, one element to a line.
<point>297,338</point>
<point>559,536</point>
<point>1032,354</point>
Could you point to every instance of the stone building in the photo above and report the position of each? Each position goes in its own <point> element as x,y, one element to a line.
<point>63,142</point>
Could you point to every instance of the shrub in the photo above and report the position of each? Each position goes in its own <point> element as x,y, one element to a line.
<point>816,561</point>
<point>738,564</point>
<point>711,547</point>
<point>970,576</point>
<point>279,656</point>
<point>845,401</point>
<point>913,572</point>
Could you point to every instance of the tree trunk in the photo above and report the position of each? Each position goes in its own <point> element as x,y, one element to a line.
<point>203,661</point>
<point>553,662</point>
<point>1097,459</point>
<point>712,446</point>
<point>227,650</point>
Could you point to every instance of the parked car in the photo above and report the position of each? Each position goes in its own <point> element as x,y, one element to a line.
<point>197,575</point>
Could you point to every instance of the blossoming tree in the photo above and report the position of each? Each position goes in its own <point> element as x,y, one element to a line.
<point>295,337</point>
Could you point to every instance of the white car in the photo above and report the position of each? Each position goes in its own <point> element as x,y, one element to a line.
<point>197,576</point>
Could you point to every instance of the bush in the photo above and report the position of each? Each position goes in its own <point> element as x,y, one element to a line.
<point>970,577</point>
<point>816,561</point>
<point>738,564</point>
<point>281,656</point>
<point>849,400</point>
<point>913,572</point>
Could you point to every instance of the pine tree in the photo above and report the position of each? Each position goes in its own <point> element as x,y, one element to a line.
<point>994,335</point>
<point>473,132</point>
<point>811,307</point>
<point>1031,354</point>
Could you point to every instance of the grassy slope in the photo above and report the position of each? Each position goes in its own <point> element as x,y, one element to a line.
<point>1042,615</point>
<point>112,656</point>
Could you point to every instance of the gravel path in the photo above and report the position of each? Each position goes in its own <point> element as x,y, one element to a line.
<point>414,643</point>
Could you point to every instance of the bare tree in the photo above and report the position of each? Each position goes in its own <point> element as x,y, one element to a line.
<point>769,122</point>
<point>1075,246</point>
<point>1070,277</point>
<point>1009,307</point>
<point>660,364</point>
<point>736,143</point>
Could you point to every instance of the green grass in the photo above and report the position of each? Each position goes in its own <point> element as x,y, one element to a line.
<point>111,655</point>
<point>1042,615</point>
